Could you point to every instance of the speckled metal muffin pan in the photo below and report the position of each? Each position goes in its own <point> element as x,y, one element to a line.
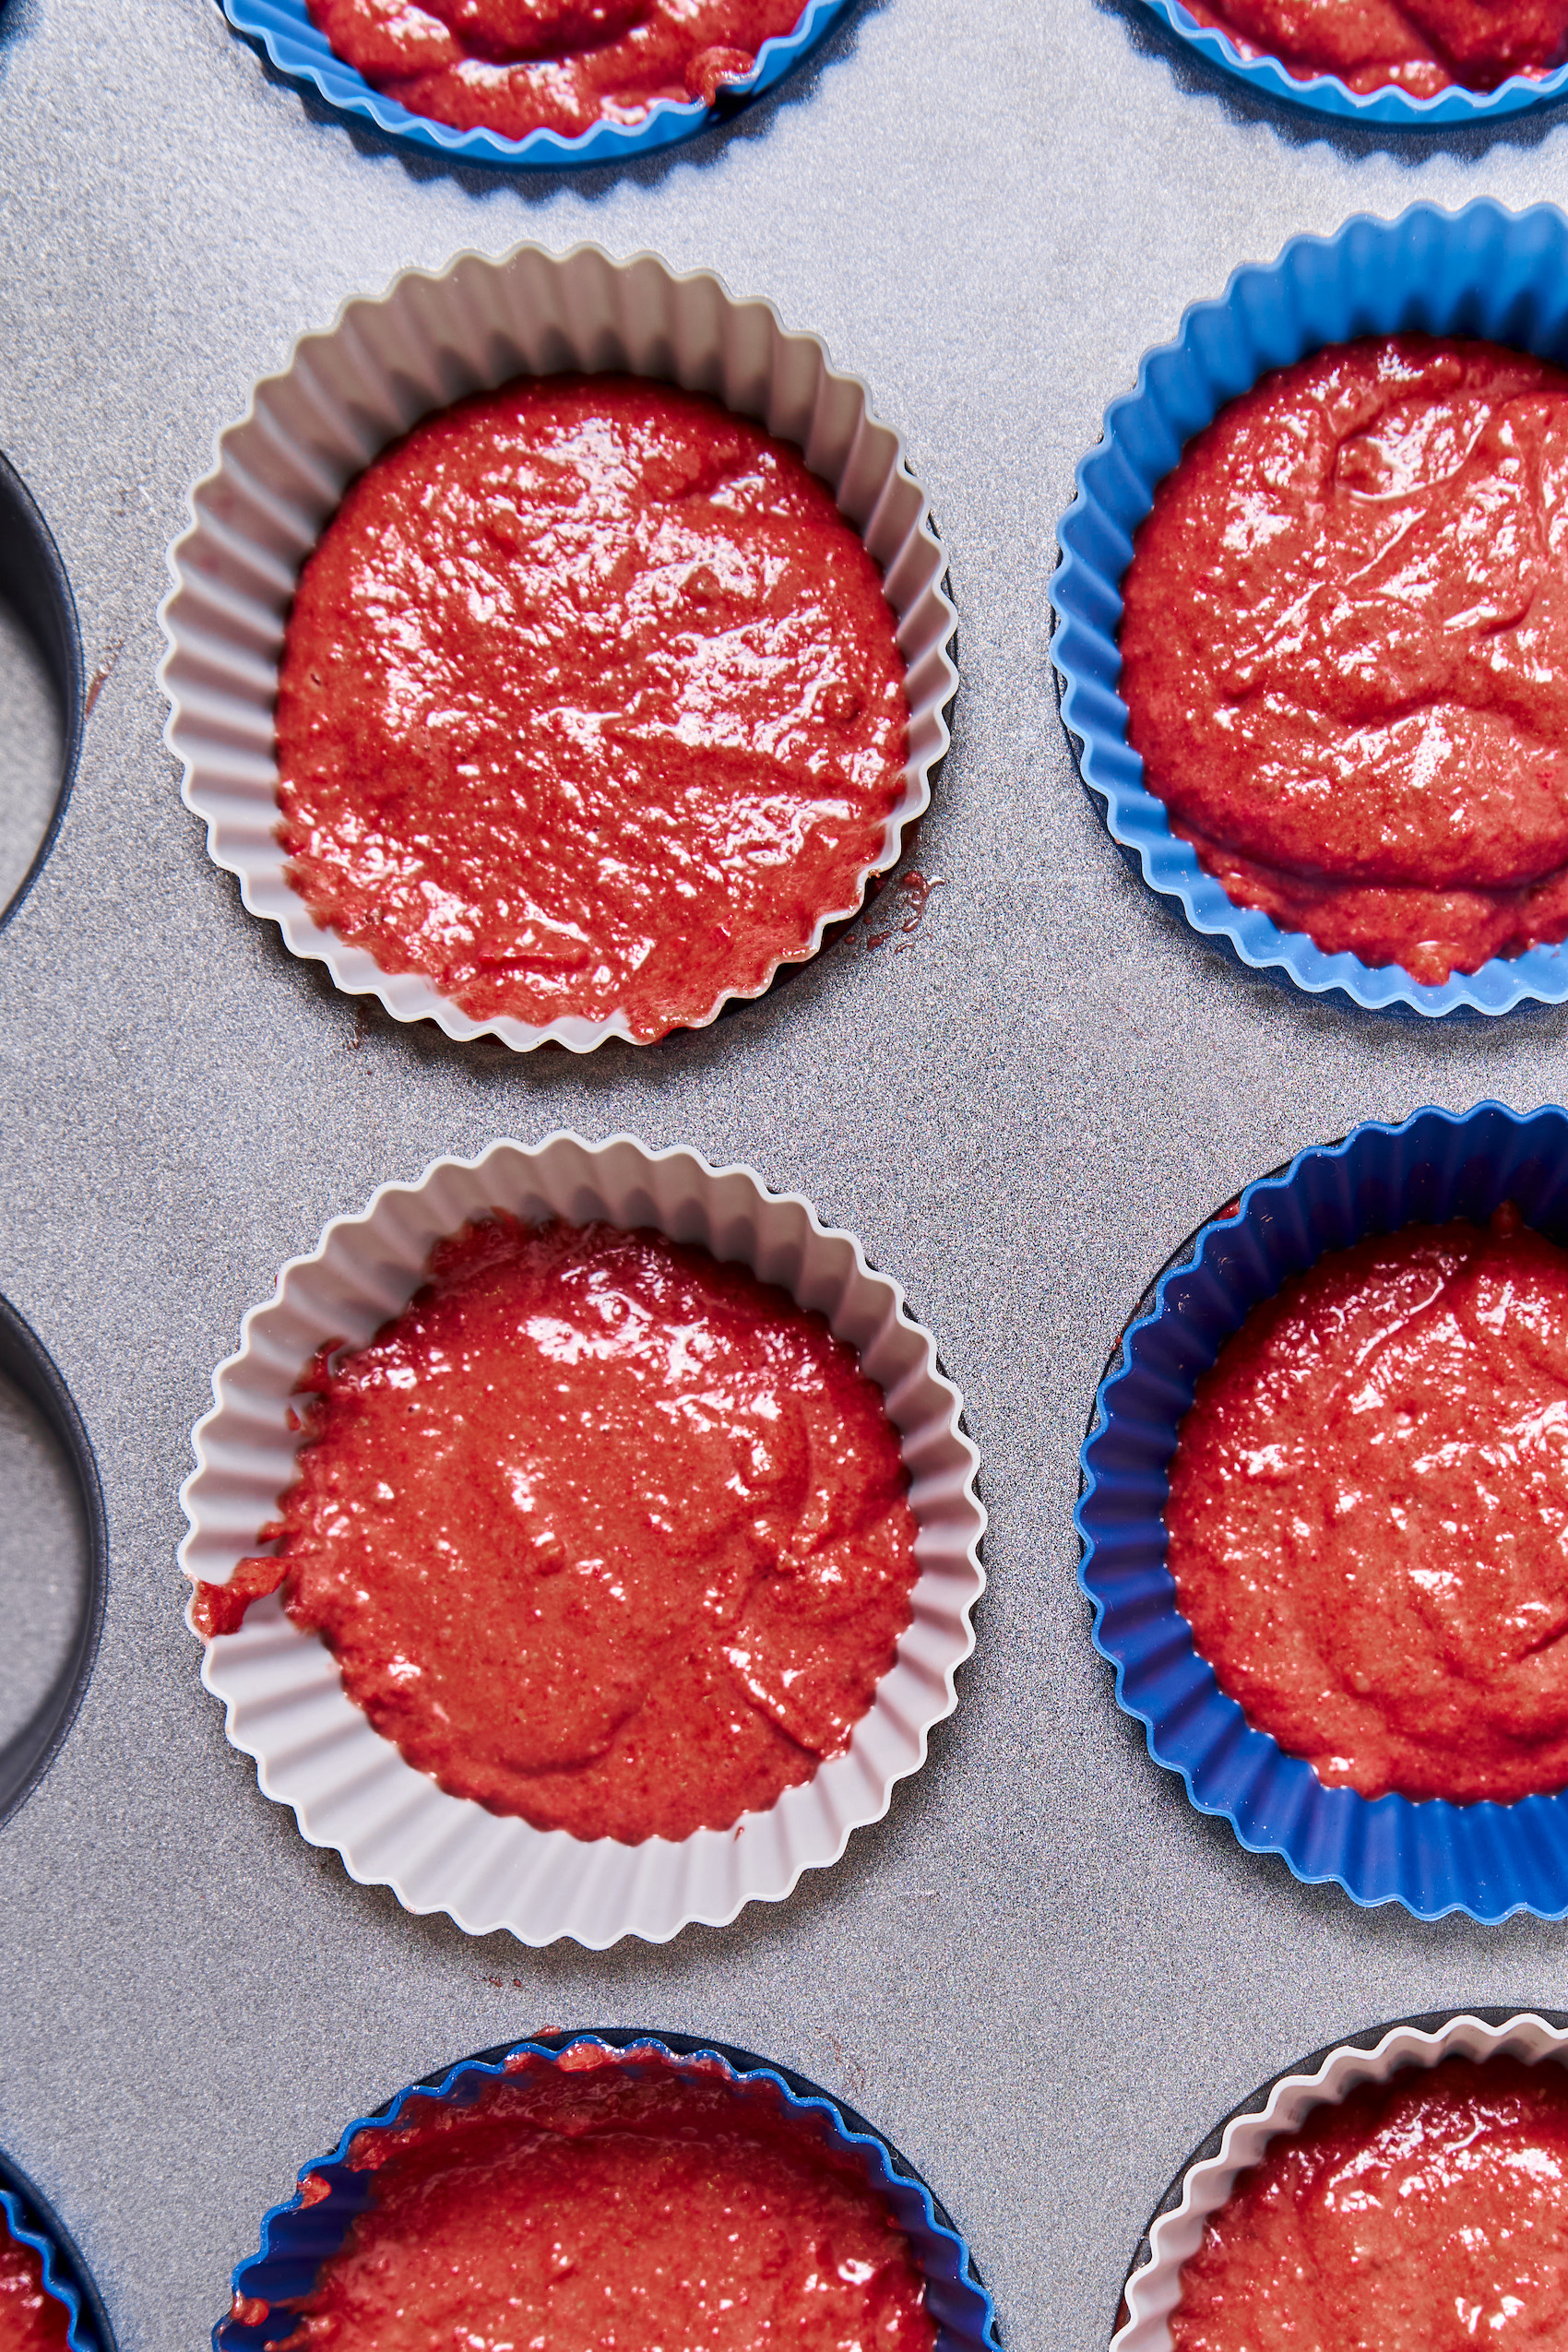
<point>1044,1973</point>
<point>296,2239</point>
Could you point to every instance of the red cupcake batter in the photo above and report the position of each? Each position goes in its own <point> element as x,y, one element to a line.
<point>1368,1515</point>
<point>1422,46</point>
<point>520,65</point>
<point>1345,650</point>
<point>599,1530</point>
<point>32,2319</point>
<point>576,2207</point>
<point>1429,2213</point>
<point>590,702</point>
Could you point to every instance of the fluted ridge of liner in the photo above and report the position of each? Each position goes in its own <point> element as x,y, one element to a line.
<point>32,2221</point>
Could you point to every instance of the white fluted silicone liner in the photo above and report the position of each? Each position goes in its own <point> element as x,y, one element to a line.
<point>1155,2289</point>
<point>350,1789</point>
<point>281,472</point>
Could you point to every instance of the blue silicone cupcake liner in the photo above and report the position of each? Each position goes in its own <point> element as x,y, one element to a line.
<point>1482,271</point>
<point>296,2237</point>
<point>1489,1861</point>
<point>284,29</point>
<point>32,2220</point>
<point>1453,108</point>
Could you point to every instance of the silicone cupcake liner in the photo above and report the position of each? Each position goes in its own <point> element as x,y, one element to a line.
<point>1489,1861</point>
<point>284,29</point>
<point>32,2220</point>
<point>1154,2283</point>
<point>351,1790</point>
<point>424,344</point>
<point>297,2237</point>
<point>1482,271</point>
<point>1453,108</point>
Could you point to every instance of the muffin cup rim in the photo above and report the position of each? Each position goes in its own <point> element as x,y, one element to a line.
<point>1436,2028</point>
<point>408,997</point>
<point>629,1908</point>
<point>299,51</point>
<point>1302,1842</point>
<point>1086,653</point>
<point>1456,108</point>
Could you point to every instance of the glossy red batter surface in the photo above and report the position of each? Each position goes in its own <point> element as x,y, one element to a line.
<point>32,2319</point>
<point>590,703</point>
<point>1345,650</point>
<point>600,1531</point>
<point>520,65</point>
<point>1422,46</point>
<point>1429,2213</point>
<point>579,2208</point>
<point>1369,1514</point>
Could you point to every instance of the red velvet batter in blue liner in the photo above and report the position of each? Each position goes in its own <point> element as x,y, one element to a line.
<point>1489,1861</point>
<point>32,2221</point>
<point>1483,271</point>
<point>284,29</point>
<point>296,2239</point>
<point>1392,108</point>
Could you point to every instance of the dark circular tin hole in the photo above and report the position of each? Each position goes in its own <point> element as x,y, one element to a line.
<point>41,689</point>
<point>53,1559</point>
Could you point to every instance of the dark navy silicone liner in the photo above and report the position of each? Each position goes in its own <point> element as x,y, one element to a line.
<point>284,29</point>
<point>296,2239</point>
<point>1489,1861</point>
<point>1389,109</point>
<point>30,2217</point>
<point>1482,271</point>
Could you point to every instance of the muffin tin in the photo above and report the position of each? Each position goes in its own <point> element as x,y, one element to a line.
<point>1043,1972</point>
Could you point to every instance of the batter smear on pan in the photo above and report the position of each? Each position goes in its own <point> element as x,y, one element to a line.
<point>601,1532</point>
<point>514,66</point>
<point>590,703</point>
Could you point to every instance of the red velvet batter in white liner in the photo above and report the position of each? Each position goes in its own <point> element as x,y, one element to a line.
<point>1154,2289</point>
<point>282,470</point>
<point>349,1789</point>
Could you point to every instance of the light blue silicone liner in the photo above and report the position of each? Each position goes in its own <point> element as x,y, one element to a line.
<point>1453,108</point>
<point>1482,271</point>
<point>296,48</point>
<point>1489,1861</point>
<point>296,2239</point>
<point>34,2221</point>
